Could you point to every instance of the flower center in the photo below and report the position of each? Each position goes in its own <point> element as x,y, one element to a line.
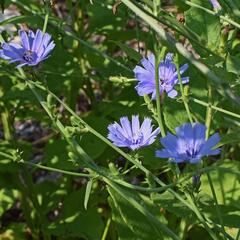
<point>29,56</point>
<point>137,138</point>
<point>161,80</point>
<point>191,152</point>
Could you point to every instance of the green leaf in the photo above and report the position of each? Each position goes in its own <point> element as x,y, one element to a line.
<point>75,220</point>
<point>208,27</point>
<point>7,199</point>
<point>230,214</point>
<point>171,204</point>
<point>232,64</point>
<point>88,192</point>
<point>174,114</point>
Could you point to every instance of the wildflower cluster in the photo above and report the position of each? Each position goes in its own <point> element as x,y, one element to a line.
<point>189,144</point>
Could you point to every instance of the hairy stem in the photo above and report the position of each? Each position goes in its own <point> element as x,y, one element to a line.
<point>184,97</point>
<point>59,170</point>
<point>158,100</point>
<point>215,108</point>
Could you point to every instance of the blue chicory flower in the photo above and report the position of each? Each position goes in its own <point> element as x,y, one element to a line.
<point>168,76</point>
<point>132,135</point>
<point>189,144</point>
<point>216,5</point>
<point>33,49</point>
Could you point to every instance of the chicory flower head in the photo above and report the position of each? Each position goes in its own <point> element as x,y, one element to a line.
<point>189,144</point>
<point>168,76</point>
<point>132,135</point>
<point>34,48</point>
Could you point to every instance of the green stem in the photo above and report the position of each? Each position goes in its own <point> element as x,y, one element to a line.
<point>156,7</point>
<point>158,99</point>
<point>59,170</point>
<point>46,18</point>
<point>105,233</point>
<point>208,125</point>
<point>184,97</point>
<point>183,227</point>
<point>215,108</point>
<point>150,106</point>
<point>209,112</point>
<point>5,123</point>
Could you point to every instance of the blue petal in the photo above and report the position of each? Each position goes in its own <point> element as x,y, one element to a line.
<point>172,94</point>
<point>139,69</point>
<point>144,88</point>
<point>185,131</point>
<point>126,126</point>
<point>185,80</point>
<point>163,154</point>
<point>3,56</point>
<point>117,130</point>
<point>169,57</point>
<point>215,151</point>
<point>37,40</point>
<point>31,36</point>
<point>24,39</point>
<point>48,49</point>
<point>149,65</point>
<point>170,142</point>
<point>199,131</point>
<point>183,68</point>
<point>12,51</point>
<point>135,124</point>
<point>146,127</point>
<point>115,134</point>
<point>209,144</point>
<point>166,72</point>
<point>151,138</point>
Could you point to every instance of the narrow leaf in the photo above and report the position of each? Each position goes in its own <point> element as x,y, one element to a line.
<point>87,193</point>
